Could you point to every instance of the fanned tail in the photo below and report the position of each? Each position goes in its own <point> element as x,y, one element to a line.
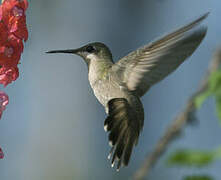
<point>124,130</point>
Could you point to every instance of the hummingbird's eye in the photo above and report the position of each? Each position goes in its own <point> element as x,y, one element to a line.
<point>90,49</point>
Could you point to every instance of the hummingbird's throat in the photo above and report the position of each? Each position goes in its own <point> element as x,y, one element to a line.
<point>91,57</point>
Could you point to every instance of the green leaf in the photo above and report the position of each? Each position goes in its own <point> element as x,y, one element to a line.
<point>215,82</point>
<point>217,153</point>
<point>198,177</point>
<point>195,158</point>
<point>199,100</point>
<point>214,89</point>
<point>218,106</point>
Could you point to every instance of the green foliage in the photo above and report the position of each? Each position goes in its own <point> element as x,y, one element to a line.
<point>198,177</point>
<point>191,158</point>
<point>214,89</point>
<point>215,83</point>
<point>196,158</point>
<point>217,153</point>
<point>199,100</point>
<point>218,107</point>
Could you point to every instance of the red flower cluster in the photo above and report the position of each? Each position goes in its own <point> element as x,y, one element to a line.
<point>1,154</point>
<point>13,31</point>
<point>3,102</point>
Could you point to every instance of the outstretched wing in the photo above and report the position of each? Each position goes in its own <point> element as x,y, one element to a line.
<point>147,65</point>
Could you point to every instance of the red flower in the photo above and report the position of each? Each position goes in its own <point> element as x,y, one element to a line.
<point>7,75</point>
<point>3,102</point>
<point>13,31</point>
<point>10,52</point>
<point>3,33</point>
<point>13,8</point>
<point>17,26</point>
<point>1,154</point>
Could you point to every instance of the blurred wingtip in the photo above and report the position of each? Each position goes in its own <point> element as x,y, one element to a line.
<point>206,14</point>
<point>201,18</point>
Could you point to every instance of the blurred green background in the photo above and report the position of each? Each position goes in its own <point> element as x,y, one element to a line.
<point>53,127</point>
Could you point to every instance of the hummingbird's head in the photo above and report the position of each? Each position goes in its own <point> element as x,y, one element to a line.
<point>90,52</point>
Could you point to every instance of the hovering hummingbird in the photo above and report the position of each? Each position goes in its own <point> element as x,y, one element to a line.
<point>119,86</point>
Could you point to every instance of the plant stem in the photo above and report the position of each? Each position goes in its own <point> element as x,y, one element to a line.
<point>178,124</point>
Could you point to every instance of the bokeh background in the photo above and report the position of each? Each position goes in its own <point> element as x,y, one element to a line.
<point>53,127</point>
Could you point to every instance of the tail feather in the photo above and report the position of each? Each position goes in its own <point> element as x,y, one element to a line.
<point>124,130</point>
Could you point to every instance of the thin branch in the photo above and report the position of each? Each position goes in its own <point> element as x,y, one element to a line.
<point>178,124</point>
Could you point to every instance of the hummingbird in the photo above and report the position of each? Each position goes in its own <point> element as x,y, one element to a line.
<point>119,86</point>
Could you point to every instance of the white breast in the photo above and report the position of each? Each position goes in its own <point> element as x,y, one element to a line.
<point>93,72</point>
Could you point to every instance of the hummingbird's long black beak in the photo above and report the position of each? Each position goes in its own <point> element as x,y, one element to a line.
<point>71,51</point>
